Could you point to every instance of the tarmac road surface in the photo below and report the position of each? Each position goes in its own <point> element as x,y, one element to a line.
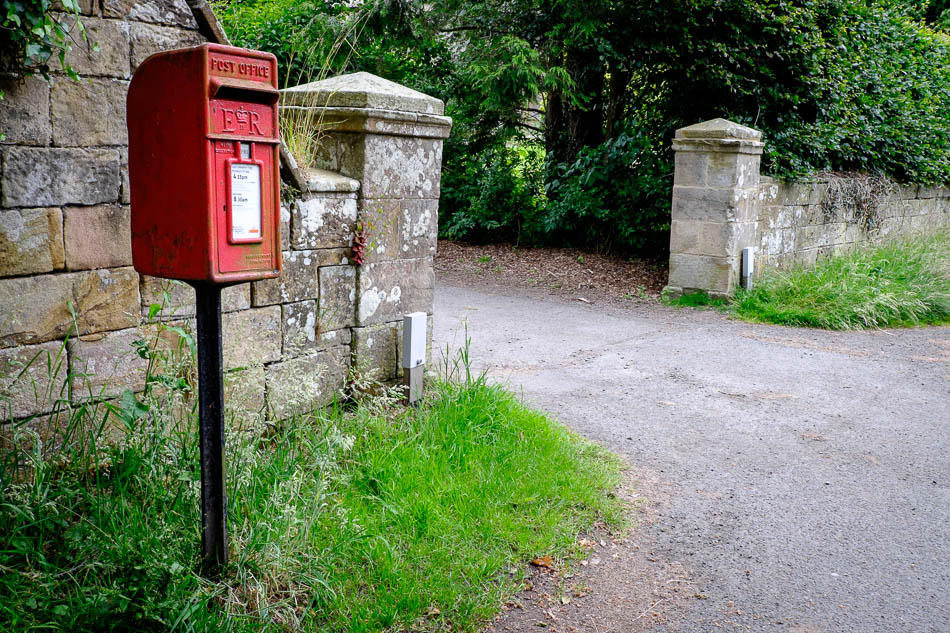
<point>804,475</point>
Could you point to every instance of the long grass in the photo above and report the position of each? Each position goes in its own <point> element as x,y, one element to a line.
<point>372,519</point>
<point>903,282</point>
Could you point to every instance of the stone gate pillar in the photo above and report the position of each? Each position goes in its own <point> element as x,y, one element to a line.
<point>389,138</point>
<point>714,205</point>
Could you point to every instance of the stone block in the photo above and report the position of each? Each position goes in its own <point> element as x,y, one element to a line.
<point>716,239</point>
<point>86,7</point>
<point>418,228</point>
<point>285,217</point>
<point>909,192</point>
<point>175,298</point>
<point>97,237</point>
<point>334,338</point>
<point>721,170</point>
<point>165,12</point>
<point>31,241</point>
<point>364,91</point>
<point>251,337</point>
<point>818,235</point>
<point>303,333</point>
<point>388,290</point>
<point>707,204</point>
<point>148,39</point>
<point>340,152</point>
<point>125,193</point>
<point>731,170</point>
<point>806,257</point>
<point>31,378</point>
<point>718,130</point>
<point>35,308</point>
<point>324,222</point>
<point>699,272</point>
<point>297,281</point>
<point>104,365</point>
<point>783,217</point>
<point>89,112</point>
<point>790,193</point>
<point>933,191</point>
<point>401,167</point>
<point>379,220</point>
<point>180,301</point>
<point>235,298</point>
<point>399,229</point>
<point>112,58</point>
<point>244,395</point>
<point>376,351</point>
<point>35,176</point>
<point>777,241</point>
<point>300,385</point>
<point>337,305</point>
<point>24,110</point>
<point>690,169</point>
<point>299,322</point>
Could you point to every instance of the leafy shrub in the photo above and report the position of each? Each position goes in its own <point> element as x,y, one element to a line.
<point>495,195</point>
<point>304,36</point>
<point>39,36</point>
<point>615,197</point>
<point>844,85</point>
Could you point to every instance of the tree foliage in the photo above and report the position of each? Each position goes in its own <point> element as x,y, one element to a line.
<point>597,87</point>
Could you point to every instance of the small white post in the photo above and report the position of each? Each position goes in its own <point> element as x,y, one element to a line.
<point>413,354</point>
<point>748,266</point>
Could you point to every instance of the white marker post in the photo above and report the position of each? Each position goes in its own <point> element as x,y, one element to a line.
<point>748,266</point>
<point>413,354</point>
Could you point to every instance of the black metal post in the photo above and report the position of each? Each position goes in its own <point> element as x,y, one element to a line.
<point>214,535</point>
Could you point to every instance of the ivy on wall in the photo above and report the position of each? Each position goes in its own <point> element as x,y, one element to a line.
<point>41,33</point>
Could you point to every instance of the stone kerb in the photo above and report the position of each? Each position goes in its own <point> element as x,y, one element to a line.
<point>389,138</point>
<point>715,209</point>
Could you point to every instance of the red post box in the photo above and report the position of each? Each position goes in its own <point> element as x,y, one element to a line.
<point>203,165</point>
<point>204,175</point>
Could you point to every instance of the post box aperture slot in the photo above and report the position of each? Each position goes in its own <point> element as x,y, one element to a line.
<point>246,91</point>
<point>245,201</point>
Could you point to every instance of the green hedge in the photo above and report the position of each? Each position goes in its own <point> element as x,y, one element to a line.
<point>835,85</point>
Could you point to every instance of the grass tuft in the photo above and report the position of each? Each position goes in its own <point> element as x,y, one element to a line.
<point>361,520</point>
<point>899,283</point>
<point>695,300</point>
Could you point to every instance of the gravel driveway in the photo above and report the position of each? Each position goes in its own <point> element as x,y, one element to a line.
<point>797,480</point>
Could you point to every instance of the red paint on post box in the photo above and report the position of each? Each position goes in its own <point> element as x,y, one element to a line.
<point>203,165</point>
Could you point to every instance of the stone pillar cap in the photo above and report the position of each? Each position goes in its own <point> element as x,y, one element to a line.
<point>361,90</point>
<point>718,129</point>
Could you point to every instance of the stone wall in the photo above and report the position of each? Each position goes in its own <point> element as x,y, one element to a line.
<point>801,222</point>
<point>72,305</point>
<point>722,205</point>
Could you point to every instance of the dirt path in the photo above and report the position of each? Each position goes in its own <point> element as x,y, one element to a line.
<point>794,480</point>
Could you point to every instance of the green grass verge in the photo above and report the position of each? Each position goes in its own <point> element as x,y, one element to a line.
<point>696,300</point>
<point>898,283</point>
<point>378,519</point>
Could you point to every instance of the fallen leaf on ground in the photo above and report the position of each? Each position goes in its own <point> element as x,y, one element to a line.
<point>543,561</point>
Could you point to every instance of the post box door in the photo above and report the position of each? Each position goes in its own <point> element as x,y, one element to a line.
<point>245,217</point>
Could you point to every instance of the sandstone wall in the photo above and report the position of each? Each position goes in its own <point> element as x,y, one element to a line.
<point>722,205</point>
<point>71,305</point>
<point>800,222</point>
